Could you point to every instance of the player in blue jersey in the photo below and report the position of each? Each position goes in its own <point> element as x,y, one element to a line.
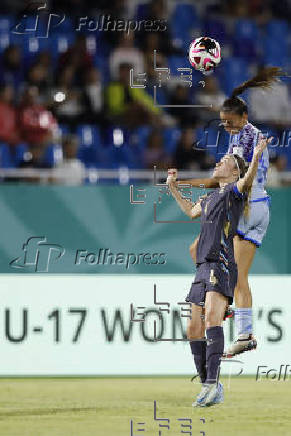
<point>213,288</point>
<point>252,227</point>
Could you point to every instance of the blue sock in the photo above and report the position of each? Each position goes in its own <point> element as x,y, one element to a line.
<point>214,351</point>
<point>244,320</point>
<point>198,349</point>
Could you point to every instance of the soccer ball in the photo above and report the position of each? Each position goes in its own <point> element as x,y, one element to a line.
<point>204,54</point>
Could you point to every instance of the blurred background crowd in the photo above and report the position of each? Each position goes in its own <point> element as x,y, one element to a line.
<point>66,100</point>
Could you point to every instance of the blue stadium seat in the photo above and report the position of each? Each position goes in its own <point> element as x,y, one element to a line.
<point>89,136</point>
<point>171,137</point>
<point>175,62</point>
<point>53,154</point>
<point>19,152</point>
<point>216,29</point>
<point>140,136</point>
<point>60,43</point>
<point>5,41</point>
<point>124,156</point>
<point>246,29</point>
<point>232,72</point>
<point>63,129</point>
<point>142,11</point>
<point>184,19</point>
<point>277,29</point>
<point>275,51</point>
<point>5,156</point>
<point>6,23</point>
<point>32,45</point>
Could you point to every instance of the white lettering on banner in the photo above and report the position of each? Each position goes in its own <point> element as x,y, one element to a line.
<point>82,325</point>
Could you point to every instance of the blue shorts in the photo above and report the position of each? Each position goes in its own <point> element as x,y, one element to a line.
<point>213,276</point>
<point>254,227</point>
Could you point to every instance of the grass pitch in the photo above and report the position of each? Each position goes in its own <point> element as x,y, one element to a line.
<point>105,406</point>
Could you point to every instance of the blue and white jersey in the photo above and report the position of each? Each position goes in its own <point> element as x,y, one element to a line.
<point>243,144</point>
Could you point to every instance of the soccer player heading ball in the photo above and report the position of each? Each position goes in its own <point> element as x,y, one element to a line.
<point>216,276</point>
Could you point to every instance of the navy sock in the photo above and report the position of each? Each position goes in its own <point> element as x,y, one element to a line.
<point>198,349</point>
<point>214,351</point>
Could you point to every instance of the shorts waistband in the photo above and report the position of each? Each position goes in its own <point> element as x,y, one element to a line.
<point>268,199</point>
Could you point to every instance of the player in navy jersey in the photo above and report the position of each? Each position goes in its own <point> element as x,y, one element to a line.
<point>253,226</point>
<point>213,288</point>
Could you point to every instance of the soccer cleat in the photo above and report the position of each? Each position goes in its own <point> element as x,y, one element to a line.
<point>219,398</point>
<point>241,345</point>
<point>207,395</point>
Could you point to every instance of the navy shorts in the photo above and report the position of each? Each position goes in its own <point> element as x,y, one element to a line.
<point>213,276</point>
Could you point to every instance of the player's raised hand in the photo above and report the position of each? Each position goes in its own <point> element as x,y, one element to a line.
<point>262,144</point>
<point>172,176</point>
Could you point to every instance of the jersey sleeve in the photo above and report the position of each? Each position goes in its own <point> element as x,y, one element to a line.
<point>245,142</point>
<point>233,191</point>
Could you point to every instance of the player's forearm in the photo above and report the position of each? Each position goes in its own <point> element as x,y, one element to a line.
<point>247,181</point>
<point>201,183</point>
<point>185,205</point>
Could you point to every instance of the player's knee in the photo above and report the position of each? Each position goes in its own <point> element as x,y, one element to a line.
<point>212,318</point>
<point>194,332</point>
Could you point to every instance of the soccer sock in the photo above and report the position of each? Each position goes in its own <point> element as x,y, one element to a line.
<point>244,321</point>
<point>198,349</point>
<point>214,351</point>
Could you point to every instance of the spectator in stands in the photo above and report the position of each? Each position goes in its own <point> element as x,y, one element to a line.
<point>158,11</point>
<point>8,121</point>
<point>189,158</point>
<point>129,106</point>
<point>11,69</point>
<point>210,95</point>
<point>38,76</point>
<point>271,106</point>
<point>93,98</point>
<point>126,53</point>
<point>278,164</point>
<point>37,125</point>
<point>183,115</point>
<point>77,57</point>
<point>154,153</point>
<point>70,171</point>
<point>68,99</point>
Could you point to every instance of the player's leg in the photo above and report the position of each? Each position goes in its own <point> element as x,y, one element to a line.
<point>215,306</point>
<point>196,336</point>
<point>252,231</point>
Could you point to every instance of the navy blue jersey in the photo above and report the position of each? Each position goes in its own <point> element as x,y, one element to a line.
<point>220,213</point>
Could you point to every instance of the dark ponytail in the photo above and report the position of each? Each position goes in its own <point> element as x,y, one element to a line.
<point>264,79</point>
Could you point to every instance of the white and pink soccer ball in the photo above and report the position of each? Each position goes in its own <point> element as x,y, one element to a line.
<point>204,54</point>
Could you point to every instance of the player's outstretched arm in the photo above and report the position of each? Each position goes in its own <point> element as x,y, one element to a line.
<point>190,209</point>
<point>247,181</point>
<point>201,183</point>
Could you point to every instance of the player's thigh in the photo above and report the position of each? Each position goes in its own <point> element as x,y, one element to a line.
<point>215,306</point>
<point>193,248</point>
<point>244,253</point>
<point>195,325</point>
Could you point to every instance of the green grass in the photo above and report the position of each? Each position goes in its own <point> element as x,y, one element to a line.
<point>104,407</point>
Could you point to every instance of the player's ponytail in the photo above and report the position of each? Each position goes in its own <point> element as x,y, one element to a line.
<point>264,79</point>
<point>242,170</point>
